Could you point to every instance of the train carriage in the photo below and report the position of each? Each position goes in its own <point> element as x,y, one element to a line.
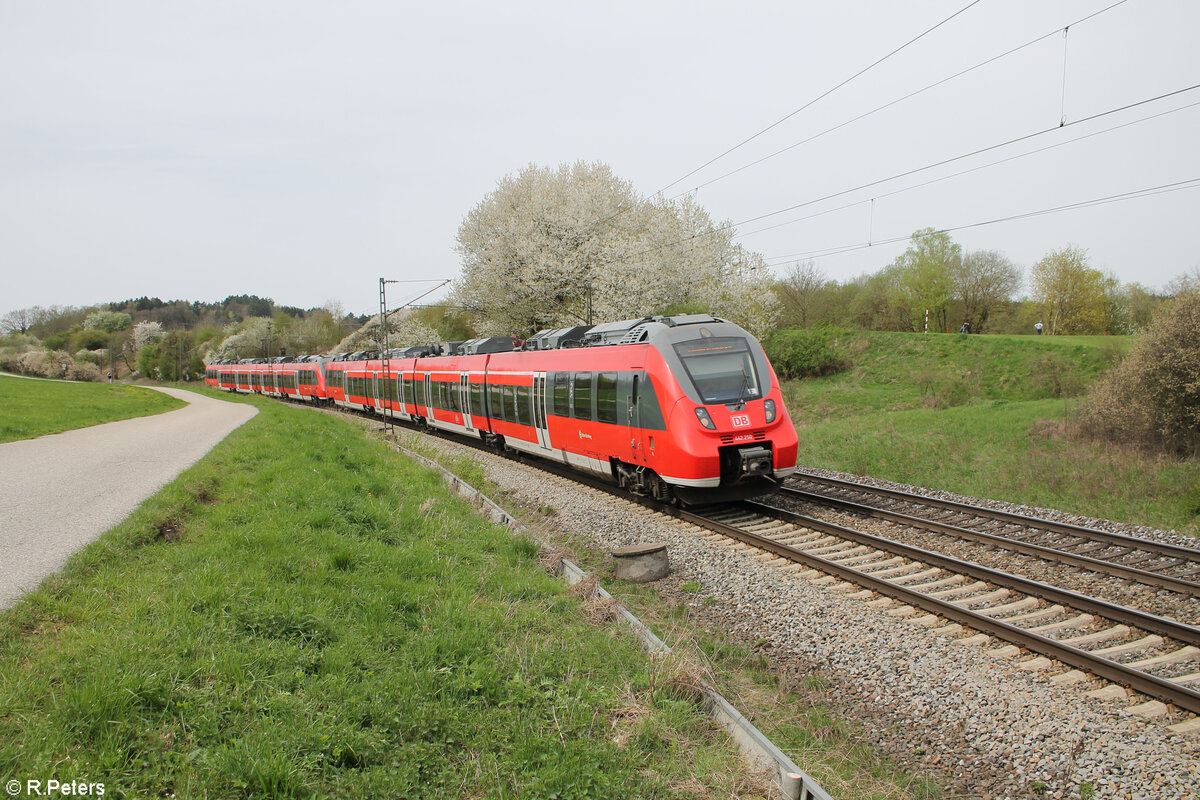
<point>684,407</point>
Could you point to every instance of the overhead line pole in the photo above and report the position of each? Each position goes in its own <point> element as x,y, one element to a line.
<point>385,340</point>
<point>385,343</point>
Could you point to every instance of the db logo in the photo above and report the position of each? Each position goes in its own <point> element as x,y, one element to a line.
<point>740,420</point>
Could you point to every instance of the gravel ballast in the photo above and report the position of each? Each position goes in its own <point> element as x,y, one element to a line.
<point>985,727</point>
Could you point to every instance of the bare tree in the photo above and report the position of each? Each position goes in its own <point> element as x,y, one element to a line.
<point>798,291</point>
<point>1187,283</point>
<point>17,321</point>
<point>982,281</point>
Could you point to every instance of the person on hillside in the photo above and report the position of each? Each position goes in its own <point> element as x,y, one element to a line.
<point>1039,328</point>
<point>966,328</point>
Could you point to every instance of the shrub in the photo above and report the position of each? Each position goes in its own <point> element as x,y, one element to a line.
<point>53,364</point>
<point>806,353</point>
<point>96,357</point>
<point>13,348</point>
<point>89,340</point>
<point>83,371</point>
<point>1055,376</point>
<point>1152,398</point>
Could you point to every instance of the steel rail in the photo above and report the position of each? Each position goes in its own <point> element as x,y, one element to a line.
<point>1119,539</point>
<point>1141,619</point>
<point>1028,548</point>
<point>1143,682</point>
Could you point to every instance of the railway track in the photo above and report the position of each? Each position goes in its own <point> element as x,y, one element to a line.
<point>1157,564</point>
<point>1156,656</point>
<point>1153,655</point>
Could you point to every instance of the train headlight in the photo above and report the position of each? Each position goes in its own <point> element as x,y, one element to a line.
<point>705,419</point>
<point>769,406</point>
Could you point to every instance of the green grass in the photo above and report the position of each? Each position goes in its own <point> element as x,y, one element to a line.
<point>305,614</point>
<point>983,415</point>
<point>795,712</point>
<point>35,407</point>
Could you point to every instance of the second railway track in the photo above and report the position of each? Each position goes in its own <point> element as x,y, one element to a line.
<point>1129,647</point>
<point>1145,561</point>
<point>1153,655</point>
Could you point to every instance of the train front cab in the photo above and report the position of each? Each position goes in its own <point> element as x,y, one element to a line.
<point>731,436</point>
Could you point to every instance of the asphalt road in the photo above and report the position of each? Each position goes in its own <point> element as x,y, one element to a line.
<point>59,492</point>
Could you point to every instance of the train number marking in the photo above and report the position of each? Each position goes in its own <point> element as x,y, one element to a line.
<point>740,420</point>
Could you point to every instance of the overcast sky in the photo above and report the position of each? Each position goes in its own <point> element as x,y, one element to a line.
<point>301,150</point>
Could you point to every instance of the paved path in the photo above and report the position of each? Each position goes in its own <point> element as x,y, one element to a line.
<point>59,492</point>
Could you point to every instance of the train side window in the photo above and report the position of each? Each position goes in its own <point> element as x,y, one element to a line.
<point>562,394</point>
<point>477,408</point>
<point>583,395</point>
<point>497,403</point>
<point>606,397</point>
<point>521,395</point>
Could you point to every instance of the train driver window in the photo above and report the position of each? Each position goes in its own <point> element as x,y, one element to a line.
<point>721,369</point>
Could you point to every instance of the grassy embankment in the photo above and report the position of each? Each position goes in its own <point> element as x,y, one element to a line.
<point>323,619</point>
<point>37,407</point>
<point>984,415</point>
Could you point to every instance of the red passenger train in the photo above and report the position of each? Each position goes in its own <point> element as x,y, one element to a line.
<point>683,407</point>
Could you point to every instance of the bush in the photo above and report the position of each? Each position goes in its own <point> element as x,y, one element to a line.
<point>83,371</point>
<point>89,340</point>
<point>97,357</point>
<point>1152,398</point>
<point>13,348</point>
<point>807,353</point>
<point>1055,376</point>
<point>53,364</point>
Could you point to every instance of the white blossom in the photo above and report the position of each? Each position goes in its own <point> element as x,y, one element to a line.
<point>144,333</point>
<point>551,247</point>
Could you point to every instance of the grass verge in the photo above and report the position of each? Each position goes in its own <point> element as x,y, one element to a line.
<point>984,416</point>
<point>37,407</point>
<point>303,614</point>
<point>791,710</point>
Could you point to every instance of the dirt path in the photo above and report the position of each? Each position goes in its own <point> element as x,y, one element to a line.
<point>59,492</point>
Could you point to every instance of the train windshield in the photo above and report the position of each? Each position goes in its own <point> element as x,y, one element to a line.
<point>721,369</point>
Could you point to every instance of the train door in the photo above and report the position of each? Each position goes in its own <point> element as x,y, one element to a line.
<point>464,398</point>
<point>634,421</point>
<point>376,387</point>
<point>428,396</point>
<point>539,409</point>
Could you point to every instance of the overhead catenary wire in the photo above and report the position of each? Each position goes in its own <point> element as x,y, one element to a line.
<point>960,173</point>
<point>731,225</point>
<point>820,97</point>
<point>909,96</point>
<point>972,153</point>
<point>622,209</point>
<point>1136,194</point>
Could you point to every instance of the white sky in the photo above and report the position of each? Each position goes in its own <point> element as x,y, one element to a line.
<point>301,150</point>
